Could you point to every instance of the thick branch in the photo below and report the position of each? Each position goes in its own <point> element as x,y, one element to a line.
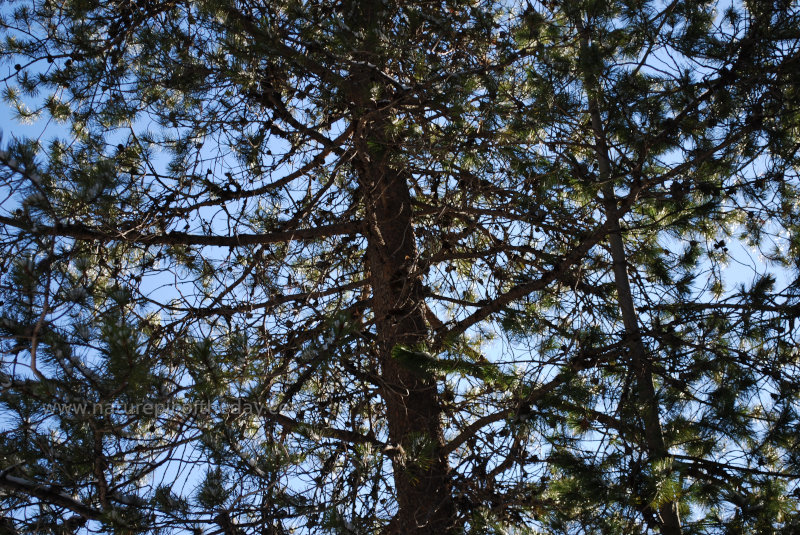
<point>49,494</point>
<point>81,232</point>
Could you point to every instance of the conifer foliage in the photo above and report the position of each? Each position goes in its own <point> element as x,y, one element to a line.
<point>438,267</point>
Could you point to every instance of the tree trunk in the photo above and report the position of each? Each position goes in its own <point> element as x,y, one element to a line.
<point>668,512</point>
<point>670,523</point>
<point>421,473</point>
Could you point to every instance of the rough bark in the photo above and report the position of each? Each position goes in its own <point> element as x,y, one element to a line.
<point>422,477</point>
<point>421,473</point>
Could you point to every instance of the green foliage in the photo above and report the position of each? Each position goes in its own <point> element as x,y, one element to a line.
<point>422,362</point>
<point>212,493</point>
<point>358,267</point>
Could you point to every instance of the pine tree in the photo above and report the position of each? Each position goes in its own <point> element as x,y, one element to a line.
<point>369,267</point>
<point>664,123</point>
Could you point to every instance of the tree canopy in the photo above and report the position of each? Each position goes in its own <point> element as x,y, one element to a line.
<point>441,267</point>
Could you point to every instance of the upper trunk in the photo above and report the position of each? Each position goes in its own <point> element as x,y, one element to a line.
<point>668,515</point>
<point>421,473</point>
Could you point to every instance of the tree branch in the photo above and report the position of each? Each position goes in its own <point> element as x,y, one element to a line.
<point>48,493</point>
<point>81,232</point>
